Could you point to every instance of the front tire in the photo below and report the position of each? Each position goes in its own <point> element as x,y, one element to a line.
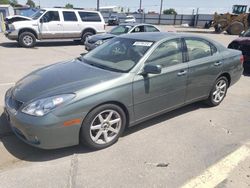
<point>27,40</point>
<point>103,126</point>
<point>218,92</point>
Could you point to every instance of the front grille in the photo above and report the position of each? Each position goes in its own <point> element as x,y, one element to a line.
<point>7,26</point>
<point>15,104</point>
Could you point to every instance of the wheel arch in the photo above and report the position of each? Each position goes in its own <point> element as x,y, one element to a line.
<point>227,75</point>
<point>28,30</point>
<point>121,105</point>
<point>89,29</point>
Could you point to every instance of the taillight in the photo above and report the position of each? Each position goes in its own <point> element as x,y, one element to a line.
<point>241,59</point>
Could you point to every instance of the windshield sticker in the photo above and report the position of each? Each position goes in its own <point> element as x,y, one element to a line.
<point>139,43</point>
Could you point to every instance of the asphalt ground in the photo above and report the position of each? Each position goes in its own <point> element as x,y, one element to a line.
<point>195,146</point>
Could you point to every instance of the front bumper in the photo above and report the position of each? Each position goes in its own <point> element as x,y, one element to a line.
<point>46,132</point>
<point>11,34</point>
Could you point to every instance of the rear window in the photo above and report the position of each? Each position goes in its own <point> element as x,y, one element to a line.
<point>90,17</point>
<point>69,16</point>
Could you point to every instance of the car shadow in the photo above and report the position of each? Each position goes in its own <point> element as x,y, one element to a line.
<point>23,151</point>
<point>42,44</point>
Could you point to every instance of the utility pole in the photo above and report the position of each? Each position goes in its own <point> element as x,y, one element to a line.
<point>140,6</point>
<point>98,5</point>
<point>160,12</point>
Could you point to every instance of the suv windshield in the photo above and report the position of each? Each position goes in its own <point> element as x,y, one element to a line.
<point>118,54</point>
<point>121,29</point>
<point>37,14</point>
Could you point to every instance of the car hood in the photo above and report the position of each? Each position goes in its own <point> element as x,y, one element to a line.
<point>243,40</point>
<point>104,36</point>
<point>60,78</point>
<point>16,18</point>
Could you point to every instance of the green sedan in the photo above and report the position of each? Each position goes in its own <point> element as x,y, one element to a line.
<point>127,80</point>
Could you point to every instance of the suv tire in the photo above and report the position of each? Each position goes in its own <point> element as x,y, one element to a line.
<point>85,35</point>
<point>27,40</point>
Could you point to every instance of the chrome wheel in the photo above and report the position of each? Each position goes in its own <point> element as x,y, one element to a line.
<point>105,127</point>
<point>27,40</point>
<point>220,91</point>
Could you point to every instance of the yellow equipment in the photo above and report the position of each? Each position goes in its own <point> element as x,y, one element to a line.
<point>234,23</point>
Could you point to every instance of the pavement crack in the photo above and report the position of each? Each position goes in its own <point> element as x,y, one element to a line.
<point>157,164</point>
<point>73,171</point>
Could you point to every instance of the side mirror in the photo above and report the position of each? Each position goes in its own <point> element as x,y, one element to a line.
<point>151,69</point>
<point>41,20</point>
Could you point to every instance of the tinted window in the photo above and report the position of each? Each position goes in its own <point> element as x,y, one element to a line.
<point>150,28</point>
<point>138,29</point>
<point>69,16</point>
<point>89,17</point>
<point>120,29</point>
<point>51,16</point>
<point>167,54</point>
<point>198,49</point>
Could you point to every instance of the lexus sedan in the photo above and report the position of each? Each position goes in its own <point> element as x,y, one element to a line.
<point>243,44</point>
<point>129,79</point>
<point>96,40</point>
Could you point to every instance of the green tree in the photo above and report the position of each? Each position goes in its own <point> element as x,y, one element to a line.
<point>4,2</point>
<point>13,2</point>
<point>68,5</point>
<point>31,3</point>
<point>169,11</point>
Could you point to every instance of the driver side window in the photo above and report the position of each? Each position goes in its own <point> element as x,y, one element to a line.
<point>51,16</point>
<point>167,54</point>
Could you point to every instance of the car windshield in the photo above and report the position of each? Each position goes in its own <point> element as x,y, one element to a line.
<point>37,14</point>
<point>118,54</point>
<point>246,33</point>
<point>121,29</point>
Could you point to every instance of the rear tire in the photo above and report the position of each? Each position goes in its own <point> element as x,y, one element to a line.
<point>85,35</point>
<point>235,28</point>
<point>27,40</point>
<point>103,126</point>
<point>218,92</point>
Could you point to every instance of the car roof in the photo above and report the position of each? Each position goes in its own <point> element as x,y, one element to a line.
<point>67,9</point>
<point>135,24</point>
<point>157,36</point>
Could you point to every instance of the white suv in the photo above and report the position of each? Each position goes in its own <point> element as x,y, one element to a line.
<point>56,23</point>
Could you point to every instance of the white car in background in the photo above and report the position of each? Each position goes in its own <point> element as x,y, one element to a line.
<point>130,19</point>
<point>55,23</point>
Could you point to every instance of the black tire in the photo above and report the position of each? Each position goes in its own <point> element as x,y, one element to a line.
<point>86,133</point>
<point>211,101</point>
<point>235,28</point>
<point>85,35</point>
<point>27,40</point>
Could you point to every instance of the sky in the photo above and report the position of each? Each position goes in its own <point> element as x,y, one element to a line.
<point>182,6</point>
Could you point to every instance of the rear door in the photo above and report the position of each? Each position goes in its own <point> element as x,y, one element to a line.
<point>156,93</point>
<point>205,64</point>
<point>71,25</point>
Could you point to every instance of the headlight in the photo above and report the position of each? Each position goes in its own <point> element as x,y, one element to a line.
<point>41,107</point>
<point>11,27</point>
<point>99,42</point>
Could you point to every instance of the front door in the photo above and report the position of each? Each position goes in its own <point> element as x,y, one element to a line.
<point>50,25</point>
<point>156,93</point>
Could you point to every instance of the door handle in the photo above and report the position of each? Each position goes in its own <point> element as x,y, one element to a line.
<point>59,24</point>
<point>182,73</point>
<point>218,63</point>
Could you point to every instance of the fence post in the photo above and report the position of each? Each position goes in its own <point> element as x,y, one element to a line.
<point>181,18</point>
<point>2,23</point>
<point>175,18</point>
